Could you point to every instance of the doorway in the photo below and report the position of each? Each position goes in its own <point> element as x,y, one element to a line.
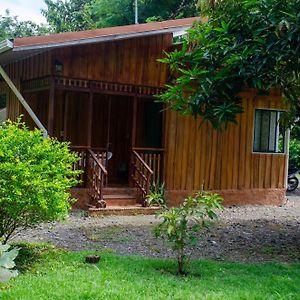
<point>111,129</point>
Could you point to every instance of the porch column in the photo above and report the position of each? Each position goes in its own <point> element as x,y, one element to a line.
<point>90,120</point>
<point>51,108</point>
<point>133,140</point>
<point>134,119</point>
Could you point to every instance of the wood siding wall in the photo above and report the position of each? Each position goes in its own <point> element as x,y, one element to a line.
<point>13,105</point>
<point>197,156</point>
<point>131,61</point>
<point>31,67</point>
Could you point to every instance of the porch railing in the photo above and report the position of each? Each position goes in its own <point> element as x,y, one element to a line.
<point>96,174</point>
<point>92,163</point>
<point>146,166</point>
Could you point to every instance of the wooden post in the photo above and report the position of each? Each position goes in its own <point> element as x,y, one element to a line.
<point>51,108</point>
<point>134,120</point>
<point>133,140</point>
<point>90,120</point>
<point>65,119</point>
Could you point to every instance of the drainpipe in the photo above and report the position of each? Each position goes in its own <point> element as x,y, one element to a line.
<point>23,102</point>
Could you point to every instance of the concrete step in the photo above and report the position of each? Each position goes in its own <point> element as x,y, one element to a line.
<point>119,200</point>
<point>122,211</point>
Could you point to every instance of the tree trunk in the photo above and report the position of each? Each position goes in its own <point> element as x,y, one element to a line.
<point>180,260</point>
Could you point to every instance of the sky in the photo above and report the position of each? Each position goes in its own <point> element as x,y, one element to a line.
<point>25,9</point>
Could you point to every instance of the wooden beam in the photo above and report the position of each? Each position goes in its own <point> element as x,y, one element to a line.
<point>51,108</point>
<point>23,102</point>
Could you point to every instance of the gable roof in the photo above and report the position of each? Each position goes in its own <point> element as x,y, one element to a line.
<point>20,47</point>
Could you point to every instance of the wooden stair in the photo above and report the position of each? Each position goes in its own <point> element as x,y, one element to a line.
<point>121,201</point>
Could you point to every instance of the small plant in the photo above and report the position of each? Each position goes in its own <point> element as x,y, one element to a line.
<point>7,262</point>
<point>35,176</point>
<point>181,225</point>
<point>157,196</point>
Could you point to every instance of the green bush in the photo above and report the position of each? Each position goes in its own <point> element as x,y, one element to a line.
<point>294,154</point>
<point>181,226</point>
<point>7,263</point>
<point>35,174</point>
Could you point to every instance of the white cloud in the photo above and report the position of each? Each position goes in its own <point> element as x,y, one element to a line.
<point>26,10</point>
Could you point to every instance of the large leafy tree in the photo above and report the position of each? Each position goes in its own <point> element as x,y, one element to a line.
<point>107,13</point>
<point>244,43</point>
<point>69,15</point>
<point>11,27</point>
<point>74,15</point>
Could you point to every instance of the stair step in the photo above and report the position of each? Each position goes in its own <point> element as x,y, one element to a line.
<point>118,191</point>
<point>118,196</point>
<point>122,211</point>
<point>120,200</point>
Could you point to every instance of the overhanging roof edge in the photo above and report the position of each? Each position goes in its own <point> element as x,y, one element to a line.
<point>5,46</point>
<point>100,39</point>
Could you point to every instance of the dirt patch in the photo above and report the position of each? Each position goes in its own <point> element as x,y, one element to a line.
<point>250,233</point>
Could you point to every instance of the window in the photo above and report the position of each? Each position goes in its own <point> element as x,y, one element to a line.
<point>269,136</point>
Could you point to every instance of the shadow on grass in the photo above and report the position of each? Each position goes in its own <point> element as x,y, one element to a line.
<point>32,253</point>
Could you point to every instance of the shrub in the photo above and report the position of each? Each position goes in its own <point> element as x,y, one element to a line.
<point>7,263</point>
<point>35,174</point>
<point>182,225</point>
<point>294,154</point>
<point>157,195</point>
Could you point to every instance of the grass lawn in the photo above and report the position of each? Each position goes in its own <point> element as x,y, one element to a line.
<point>54,274</point>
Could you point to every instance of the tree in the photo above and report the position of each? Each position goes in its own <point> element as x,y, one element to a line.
<point>11,27</point>
<point>181,225</point>
<point>74,15</point>
<point>106,13</point>
<point>244,43</point>
<point>35,176</point>
<point>69,15</point>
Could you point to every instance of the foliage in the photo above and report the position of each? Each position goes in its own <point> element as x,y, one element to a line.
<point>181,225</point>
<point>74,15</point>
<point>7,263</point>
<point>243,44</point>
<point>35,174</point>
<point>157,196</point>
<point>11,27</point>
<point>69,15</point>
<point>64,275</point>
<point>106,13</point>
<point>294,154</point>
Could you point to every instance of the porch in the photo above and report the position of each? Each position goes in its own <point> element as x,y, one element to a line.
<point>116,129</point>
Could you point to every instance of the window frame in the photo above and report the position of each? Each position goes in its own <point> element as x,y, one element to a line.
<point>285,136</point>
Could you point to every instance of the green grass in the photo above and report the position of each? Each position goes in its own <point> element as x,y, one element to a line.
<point>48,273</point>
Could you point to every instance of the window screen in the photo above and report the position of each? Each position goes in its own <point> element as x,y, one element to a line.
<point>269,136</point>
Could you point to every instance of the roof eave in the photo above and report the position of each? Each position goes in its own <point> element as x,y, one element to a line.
<point>5,46</point>
<point>101,39</point>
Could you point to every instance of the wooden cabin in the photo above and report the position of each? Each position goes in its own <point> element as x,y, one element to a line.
<point>96,90</point>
